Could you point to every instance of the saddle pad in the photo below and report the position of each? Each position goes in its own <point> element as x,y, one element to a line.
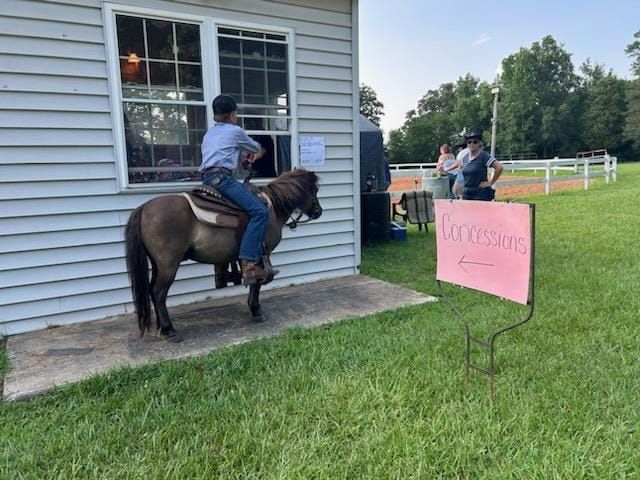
<point>209,217</point>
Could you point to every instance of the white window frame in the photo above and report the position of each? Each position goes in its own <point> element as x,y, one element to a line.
<point>210,82</point>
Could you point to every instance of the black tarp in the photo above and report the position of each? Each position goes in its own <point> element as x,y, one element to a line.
<point>371,155</point>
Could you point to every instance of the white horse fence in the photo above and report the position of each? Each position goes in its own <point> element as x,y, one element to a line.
<point>586,168</point>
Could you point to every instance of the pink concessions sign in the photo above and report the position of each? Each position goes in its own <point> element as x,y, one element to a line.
<point>486,246</point>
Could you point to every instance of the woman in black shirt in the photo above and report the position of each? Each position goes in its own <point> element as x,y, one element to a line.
<point>477,186</point>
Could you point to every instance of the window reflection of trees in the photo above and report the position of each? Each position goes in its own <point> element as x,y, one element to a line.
<point>161,60</point>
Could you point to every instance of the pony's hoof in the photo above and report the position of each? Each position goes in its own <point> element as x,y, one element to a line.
<point>172,336</point>
<point>258,318</point>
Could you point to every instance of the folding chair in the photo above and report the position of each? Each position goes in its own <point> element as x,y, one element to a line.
<point>415,207</point>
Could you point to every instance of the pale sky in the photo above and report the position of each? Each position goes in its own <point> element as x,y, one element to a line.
<point>410,46</point>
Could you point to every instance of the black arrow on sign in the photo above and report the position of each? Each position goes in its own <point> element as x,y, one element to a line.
<point>462,260</point>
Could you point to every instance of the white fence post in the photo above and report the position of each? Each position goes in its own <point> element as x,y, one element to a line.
<point>555,168</point>
<point>586,173</point>
<point>607,168</point>
<point>547,178</point>
<point>615,168</point>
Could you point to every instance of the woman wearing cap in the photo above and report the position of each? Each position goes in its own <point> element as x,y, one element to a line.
<point>477,186</point>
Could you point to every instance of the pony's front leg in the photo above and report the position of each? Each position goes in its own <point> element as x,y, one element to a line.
<point>254,303</point>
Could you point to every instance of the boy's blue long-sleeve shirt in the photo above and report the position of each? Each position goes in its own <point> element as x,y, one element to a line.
<point>222,144</point>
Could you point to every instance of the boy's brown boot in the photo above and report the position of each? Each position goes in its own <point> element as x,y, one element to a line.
<point>252,273</point>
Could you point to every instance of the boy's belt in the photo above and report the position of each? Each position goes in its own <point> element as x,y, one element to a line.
<point>218,170</point>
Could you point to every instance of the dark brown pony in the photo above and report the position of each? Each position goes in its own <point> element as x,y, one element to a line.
<point>165,231</point>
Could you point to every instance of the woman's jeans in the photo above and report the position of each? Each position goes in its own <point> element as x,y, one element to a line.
<point>477,193</point>
<point>253,238</point>
<point>452,180</point>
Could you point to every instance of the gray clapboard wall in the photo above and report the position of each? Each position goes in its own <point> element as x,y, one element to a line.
<point>61,214</point>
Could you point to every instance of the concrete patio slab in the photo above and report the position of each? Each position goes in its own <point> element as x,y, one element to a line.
<point>42,360</point>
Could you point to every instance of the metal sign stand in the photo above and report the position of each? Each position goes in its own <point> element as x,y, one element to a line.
<point>490,343</point>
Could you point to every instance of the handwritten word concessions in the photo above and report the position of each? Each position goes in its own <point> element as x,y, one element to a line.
<point>480,235</point>
<point>486,246</point>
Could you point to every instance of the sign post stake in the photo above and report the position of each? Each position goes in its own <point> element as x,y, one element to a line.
<point>489,344</point>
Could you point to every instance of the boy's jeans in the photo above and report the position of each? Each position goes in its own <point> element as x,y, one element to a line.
<point>251,245</point>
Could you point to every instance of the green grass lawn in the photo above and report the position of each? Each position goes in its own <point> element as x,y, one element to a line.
<point>382,397</point>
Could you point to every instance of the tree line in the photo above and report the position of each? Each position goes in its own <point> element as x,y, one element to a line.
<point>546,107</point>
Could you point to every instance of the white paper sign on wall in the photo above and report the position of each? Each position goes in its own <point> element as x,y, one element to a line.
<point>312,151</point>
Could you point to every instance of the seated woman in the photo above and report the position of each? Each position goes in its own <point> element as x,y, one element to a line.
<point>476,161</point>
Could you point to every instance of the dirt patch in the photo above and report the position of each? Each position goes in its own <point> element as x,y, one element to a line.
<point>511,191</point>
<point>507,191</point>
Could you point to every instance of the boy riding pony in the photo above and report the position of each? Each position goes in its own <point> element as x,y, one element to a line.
<point>221,148</point>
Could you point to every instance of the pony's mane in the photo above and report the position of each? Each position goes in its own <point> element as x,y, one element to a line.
<point>289,190</point>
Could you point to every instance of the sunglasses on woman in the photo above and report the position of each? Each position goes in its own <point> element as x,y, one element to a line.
<point>472,142</point>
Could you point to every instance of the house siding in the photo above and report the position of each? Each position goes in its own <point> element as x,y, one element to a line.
<point>62,214</point>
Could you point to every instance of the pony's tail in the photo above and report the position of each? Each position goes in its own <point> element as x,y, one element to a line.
<point>138,270</point>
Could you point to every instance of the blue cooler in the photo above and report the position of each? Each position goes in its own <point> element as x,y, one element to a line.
<point>398,231</point>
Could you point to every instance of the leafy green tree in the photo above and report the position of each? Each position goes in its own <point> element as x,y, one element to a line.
<point>397,148</point>
<point>370,106</point>
<point>473,106</point>
<point>424,135</point>
<point>633,50</point>
<point>605,109</point>
<point>441,100</point>
<point>632,122</point>
<point>536,83</point>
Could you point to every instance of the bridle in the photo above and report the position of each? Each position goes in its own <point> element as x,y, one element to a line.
<point>294,222</point>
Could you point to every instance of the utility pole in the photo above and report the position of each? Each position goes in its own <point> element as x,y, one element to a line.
<point>494,120</point>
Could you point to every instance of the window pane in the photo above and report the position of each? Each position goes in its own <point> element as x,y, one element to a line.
<point>134,78</point>
<point>229,51</point>
<point>277,88</point>
<point>271,36</point>
<point>191,155</point>
<point>277,157</point>
<point>276,56</point>
<point>252,54</point>
<point>230,82</point>
<point>163,80</point>
<point>188,38</point>
<point>160,39</point>
<point>191,78</point>
<point>137,133</point>
<point>227,31</point>
<point>196,117</point>
<point>252,34</point>
<point>254,86</point>
<point>279,124</point>
<point>255,124</point>
<point>130,36</point>
<point>169,148</point>
<point>283,153</point>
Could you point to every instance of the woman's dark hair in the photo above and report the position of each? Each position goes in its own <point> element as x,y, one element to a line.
<point>223,105</point>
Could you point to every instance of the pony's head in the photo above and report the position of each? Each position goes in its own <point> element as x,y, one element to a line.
<point>295,190</point>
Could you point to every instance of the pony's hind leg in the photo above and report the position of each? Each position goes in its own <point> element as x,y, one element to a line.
<point>164,276</point>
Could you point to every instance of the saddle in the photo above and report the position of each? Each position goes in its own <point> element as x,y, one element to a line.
<point>212,208</point>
